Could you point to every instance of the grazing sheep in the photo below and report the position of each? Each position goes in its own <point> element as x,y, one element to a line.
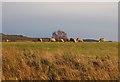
<point>40,39</point>
<point>61,40</point>
<point>79,40</point>
<point>52,40</point>
<point>57,40</point>
<point>7,40</point>
<point>102,40</point>
<point>68,40</point>
<point>72,40</point>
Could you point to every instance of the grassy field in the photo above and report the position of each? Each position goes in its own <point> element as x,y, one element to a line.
<point>60,61</point>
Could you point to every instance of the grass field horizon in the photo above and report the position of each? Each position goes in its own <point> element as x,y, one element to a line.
<point>60,61</point>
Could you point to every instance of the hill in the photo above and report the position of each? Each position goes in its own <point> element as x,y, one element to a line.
<point>16,38</point>
<point>22,38</point>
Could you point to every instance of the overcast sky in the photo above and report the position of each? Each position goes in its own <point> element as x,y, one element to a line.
<point>77,19</point>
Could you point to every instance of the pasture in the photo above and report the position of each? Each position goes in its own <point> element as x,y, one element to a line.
<point>60,61</point>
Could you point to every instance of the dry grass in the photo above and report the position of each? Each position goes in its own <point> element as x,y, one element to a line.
<point>60,61</point>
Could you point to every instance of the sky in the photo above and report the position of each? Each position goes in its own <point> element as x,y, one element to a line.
<point>77,19</point>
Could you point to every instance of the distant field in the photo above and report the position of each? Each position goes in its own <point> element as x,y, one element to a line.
<point>60,61</point>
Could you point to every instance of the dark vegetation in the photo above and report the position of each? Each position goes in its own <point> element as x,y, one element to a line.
<point>59,34</point>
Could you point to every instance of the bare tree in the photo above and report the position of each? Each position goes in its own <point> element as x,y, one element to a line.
<point>59,34</point>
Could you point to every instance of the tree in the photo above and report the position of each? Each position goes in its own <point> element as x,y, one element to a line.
<point>59,34</point>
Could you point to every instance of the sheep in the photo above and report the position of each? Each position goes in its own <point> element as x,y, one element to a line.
<point>62,40</point>
<point>102,40</point>
<point>72,40</point>
<point>52,40</point>
<point>7,40</point>
<point>40,39</point>
<point>79,40</point>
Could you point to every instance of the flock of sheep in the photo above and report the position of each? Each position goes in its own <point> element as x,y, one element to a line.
<point>69,40</point>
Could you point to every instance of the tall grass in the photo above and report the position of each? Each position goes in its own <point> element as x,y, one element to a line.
<point>60,61</point>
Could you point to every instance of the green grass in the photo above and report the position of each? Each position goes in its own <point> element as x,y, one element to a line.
<point>87,49</point>
<point>57,60</point>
